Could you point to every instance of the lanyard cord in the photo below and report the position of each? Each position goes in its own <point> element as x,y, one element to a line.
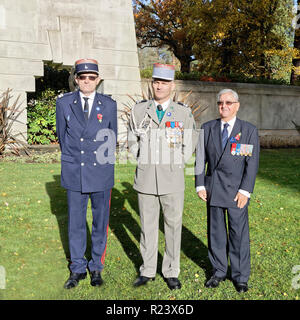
<point>139,130</point>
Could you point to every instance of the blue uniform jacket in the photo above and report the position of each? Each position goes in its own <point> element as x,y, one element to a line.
<point>83,142</point>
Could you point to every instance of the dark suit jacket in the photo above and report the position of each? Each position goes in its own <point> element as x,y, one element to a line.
<point>80,170</point>
<point>227,173</point>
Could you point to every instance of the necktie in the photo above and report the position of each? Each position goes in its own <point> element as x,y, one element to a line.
<point>224,135</point>
<point>160,112</point>
<point>86,108</point>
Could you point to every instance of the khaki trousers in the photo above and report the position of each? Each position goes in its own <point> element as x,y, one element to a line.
<point>149,207</point>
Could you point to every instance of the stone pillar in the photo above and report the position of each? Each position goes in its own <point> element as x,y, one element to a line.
<point>62,31</point>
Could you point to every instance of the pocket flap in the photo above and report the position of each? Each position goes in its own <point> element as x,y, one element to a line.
<point>66,157</point>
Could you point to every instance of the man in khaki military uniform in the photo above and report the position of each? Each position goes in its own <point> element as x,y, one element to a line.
<point>162,136</point>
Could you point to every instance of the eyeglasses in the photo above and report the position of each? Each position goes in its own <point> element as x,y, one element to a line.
<point>92,78</point>
<point>227,103</point>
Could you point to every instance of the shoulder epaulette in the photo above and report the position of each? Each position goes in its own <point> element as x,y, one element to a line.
<point>64,94</point>
<point>107,96</point>
<point>141,101</point>
<point>182,104</point>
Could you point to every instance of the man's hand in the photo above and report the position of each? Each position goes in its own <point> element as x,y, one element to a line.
<point>241,200</point>
<point>202,195</point>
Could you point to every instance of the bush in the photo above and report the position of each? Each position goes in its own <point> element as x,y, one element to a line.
<point>146,73</point>
<point>41,123</point>
<point>212,77</point>
<point>9,114</point>
<point>41,118</point>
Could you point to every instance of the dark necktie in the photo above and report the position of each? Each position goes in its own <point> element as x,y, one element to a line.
<point>86,108</point>
<point>160,112</point>
<point>224,135</point>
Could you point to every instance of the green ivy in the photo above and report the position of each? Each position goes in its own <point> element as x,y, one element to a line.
<point>41,122</point>
<point>41,118</point>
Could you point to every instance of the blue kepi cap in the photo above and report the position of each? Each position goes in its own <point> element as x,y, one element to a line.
<point>86,66</point>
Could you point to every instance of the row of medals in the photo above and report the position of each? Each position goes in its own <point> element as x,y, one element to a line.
<point>238,149</point>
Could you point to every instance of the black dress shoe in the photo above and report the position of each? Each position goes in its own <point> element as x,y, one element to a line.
<point>213,282</point>
<point>74,280</point>
<point>96,279</point>
<point>241,286</point>
<point>141,280</point>
<point>173,283</point>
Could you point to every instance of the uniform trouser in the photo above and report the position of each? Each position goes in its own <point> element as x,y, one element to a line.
<point>149,207</point>
<point>236,243</point>
<point>77,207</point>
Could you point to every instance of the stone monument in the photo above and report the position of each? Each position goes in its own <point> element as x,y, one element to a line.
<point>62,31</point>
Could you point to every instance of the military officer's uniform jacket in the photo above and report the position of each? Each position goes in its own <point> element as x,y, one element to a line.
<point>161,148</point>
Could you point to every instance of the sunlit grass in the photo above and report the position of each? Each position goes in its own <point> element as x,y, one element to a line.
<point>34,244</point>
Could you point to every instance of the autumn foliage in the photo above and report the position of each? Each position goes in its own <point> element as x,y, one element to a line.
<point>226,37</point>
<point>163,23</point>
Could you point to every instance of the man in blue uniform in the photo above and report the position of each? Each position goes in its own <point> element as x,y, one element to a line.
<point>86,125</point>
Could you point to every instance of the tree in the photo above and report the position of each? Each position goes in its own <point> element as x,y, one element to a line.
<point>161,23</point>
<point>296,61</point>
<point>148,56</point>
<point>252,38</point>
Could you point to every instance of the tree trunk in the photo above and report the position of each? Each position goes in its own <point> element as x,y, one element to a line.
<point>185,64</point>
<point>296,62</point>
<point>294,75</point>
<point>227,53</point>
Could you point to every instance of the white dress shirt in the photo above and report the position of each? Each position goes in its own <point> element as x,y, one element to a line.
<point>229,129</point>
<point>90,101</point>
<point>164,105</point>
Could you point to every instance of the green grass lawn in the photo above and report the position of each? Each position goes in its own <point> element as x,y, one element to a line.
<point>34,243</point>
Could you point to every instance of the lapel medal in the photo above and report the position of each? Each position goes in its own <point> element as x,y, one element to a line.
<point>174,133</point>
<point>233,148</point>
<point>99,117</point>
<point>250,150</point>
<point>247,150</point>
<point>238,149</point>
<point>242,150</point>
<point>238,136</point>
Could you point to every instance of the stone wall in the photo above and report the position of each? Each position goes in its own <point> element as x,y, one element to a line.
<point>271,108</point>
<point>62,31</point>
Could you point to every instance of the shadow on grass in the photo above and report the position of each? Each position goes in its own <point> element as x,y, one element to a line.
<point>59,208</point>
<point>121,221</point>
<point>195,250</point>
<point>191,246</point>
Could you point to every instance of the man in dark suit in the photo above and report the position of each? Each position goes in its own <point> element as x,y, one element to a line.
<point>86,125</point>
<point>232,155</point>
